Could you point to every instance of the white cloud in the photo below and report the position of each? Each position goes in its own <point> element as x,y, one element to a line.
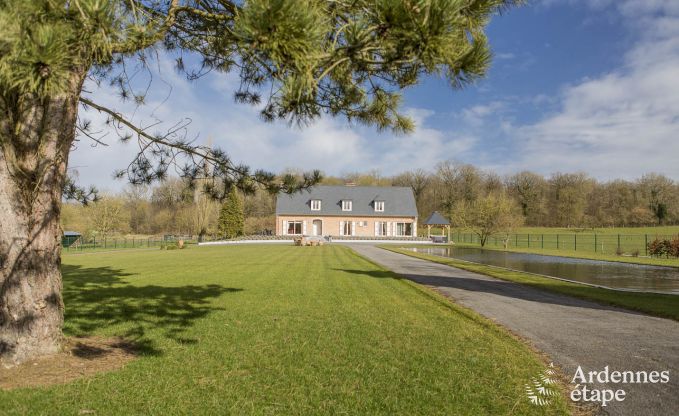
<point>476,115</point>
<point>505,56</point>
<point>621,124</point>
<point>328,144</point>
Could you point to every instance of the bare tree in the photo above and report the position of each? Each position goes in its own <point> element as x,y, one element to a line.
<point>107,216</point>
<point>418,180</point>
<point>568,200</point>
<point>487,216</point>
<point>529,190</point>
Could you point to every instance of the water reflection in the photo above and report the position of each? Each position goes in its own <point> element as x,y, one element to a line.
<point>604,273</point>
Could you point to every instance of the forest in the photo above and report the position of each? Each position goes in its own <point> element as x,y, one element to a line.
<point>559,200</point>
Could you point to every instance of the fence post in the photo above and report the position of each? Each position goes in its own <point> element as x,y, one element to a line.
<point>557,241</point>
<point>542,241</point>
<point>516,245</point>
<point>528,240</point>
<point>575,242</point>
<point>595,243</point>
<point>618,242</point>
<point>646,244</point>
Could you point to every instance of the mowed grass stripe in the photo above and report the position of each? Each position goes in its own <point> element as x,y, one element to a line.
<point>280,330</point>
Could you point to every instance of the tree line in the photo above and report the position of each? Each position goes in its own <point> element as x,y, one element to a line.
<point>558,200</point>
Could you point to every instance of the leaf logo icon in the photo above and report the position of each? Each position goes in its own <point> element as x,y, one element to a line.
<point>540,390</point>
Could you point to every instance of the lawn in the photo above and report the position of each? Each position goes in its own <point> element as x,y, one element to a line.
<point>666,306</point>
<point>280,330</point>
<point>651,231</point>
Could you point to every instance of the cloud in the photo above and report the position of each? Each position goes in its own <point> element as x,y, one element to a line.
<point>329,144</point>
<point>505,56</point>
<point>476,115</point>
<point>619,124</point>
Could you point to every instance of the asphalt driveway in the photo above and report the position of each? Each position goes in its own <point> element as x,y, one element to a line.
<point>571,331</point>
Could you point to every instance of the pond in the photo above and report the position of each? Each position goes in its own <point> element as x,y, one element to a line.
<point>602,273</point>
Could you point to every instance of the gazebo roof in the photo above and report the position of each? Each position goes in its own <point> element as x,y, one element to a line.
<point>436,219</point>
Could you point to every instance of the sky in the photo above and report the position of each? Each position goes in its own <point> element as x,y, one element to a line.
<point>575,85</point>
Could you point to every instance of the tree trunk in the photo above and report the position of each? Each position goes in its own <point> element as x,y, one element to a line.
<point>35,139</point>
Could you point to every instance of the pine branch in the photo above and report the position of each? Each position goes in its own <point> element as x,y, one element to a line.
<point>158,152</point>
<point>168,21</point>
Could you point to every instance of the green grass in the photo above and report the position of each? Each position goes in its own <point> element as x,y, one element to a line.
<point>666,306</point>
<point>658,230</point>
<point>601,243</point>
<point>280,330</point>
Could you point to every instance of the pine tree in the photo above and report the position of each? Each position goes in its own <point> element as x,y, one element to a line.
<point>296,59</point>
<point>231,221</point>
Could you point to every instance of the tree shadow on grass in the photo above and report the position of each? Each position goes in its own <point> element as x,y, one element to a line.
<point>97,298</point>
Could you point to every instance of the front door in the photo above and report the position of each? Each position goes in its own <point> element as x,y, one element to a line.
<point>318,227</point>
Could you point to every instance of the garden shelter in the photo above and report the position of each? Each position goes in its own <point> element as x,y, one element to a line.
<point>438,220</point>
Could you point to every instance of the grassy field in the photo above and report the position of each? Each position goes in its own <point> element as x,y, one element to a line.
<point>627,244</point>
<point>280,330</point>
<point>666,230</point>
<point>659,230</point>
<point>655,304</point>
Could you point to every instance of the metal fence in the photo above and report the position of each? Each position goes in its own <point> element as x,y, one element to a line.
<point>84,244</point>
<point>634,244</point>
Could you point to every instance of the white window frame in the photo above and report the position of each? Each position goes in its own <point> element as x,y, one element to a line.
<point>381,228</point>
<point>315,204</point>
<point>347,228</point>
<point>403,233</point>
<point>294,224</point>
<point>379,206</point>
<point>347,205</point>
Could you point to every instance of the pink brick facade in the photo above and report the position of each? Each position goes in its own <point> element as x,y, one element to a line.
<point>341,225</point>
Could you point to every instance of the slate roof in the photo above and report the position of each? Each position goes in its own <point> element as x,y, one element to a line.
<point>436,219</point>
<point>398,201</point>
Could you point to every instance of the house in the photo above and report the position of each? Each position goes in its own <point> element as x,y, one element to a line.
<point>360,211</point>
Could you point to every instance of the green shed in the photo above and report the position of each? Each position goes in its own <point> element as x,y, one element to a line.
<point>69,238</point>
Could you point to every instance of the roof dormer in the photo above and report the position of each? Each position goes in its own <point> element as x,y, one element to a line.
<point>347,204</point>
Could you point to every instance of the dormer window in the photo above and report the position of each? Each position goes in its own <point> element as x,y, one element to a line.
<point>379,206</point>
<point>346,205</point>
<point>315,204</point>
